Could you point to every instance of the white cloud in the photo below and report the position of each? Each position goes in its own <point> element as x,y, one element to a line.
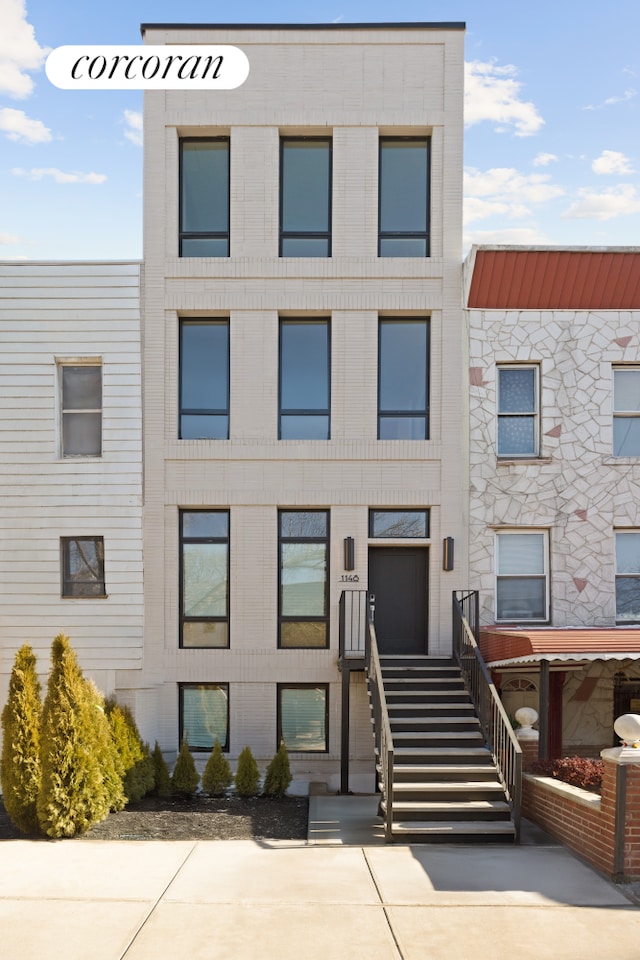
<point>544,159</point>
<point>503,191</point>
<point>629,94</point>
<point>19,50</point>
<point>18,126</point>
<point>617,201</point>
<point>610,161</point>
<point>525,236</point>
<point>133,121</point>
<point>9,238</point>
<point>59,176</point>
<point>493,93</point>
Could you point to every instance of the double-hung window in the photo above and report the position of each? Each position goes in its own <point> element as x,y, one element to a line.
<point>204,578</point>
<point>628,576</point>
<point>82,561</point>
<point>305,380</point>
<point>518,411</point>
<point>522,576</point>
<point>626,412</point>
<point>81,413</point>
<point>303,717</point>
<point>304,578</point>
<point>204,379</point>
<point>403,381</point>
<point>204,197</point>
<point>305,197</point>
<point>403,214</point>
<point>204,715</point>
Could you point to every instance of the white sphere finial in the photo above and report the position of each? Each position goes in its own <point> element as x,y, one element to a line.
<point>526,717</point>
<point>628,729</point>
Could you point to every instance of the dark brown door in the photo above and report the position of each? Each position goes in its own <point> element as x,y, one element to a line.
<point>398,578</point>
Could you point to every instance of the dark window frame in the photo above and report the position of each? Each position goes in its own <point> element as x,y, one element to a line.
<point>305,234</point>
<point>425,511</point>
<point>66,580</point>
<point>325,618</point>
<point>68,365</point>
<point>195,685</point>
<point>302,411</point>
<point>303,686</point>
<point>213,411</point>
<point>407,414</point>
<point>407,234</point>
<point>534,414</point>
<point>207,234</point>
<point>208,619</point>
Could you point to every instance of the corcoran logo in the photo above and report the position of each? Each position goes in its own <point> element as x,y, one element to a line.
<point>174,67</point>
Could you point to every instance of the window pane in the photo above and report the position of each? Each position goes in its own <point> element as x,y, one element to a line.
<point>301,523</point>
<point>521,599</point>
<point>305,187</point>
<point>399,523</point>
<point>83,567</point>
<point>204,247</point>
<point>626,391</point>
<point>207,523</point>
<point>403,365</point>
<point>205,187</point>
<point>205,579</point>
<point>81,387</point>
<point>628,598</point>
<point>403,428</point>
<point>403,247</point>
<point>304,366</point>
<point>204,633</point>
<point>626,436</point>
<point>517,391</point>
<point>204,716</point>
<point>628,553</point>
<point>203,427</point>
<point>204,366</point>
<point>521,553</point>
<point>82,434</point>
<point>516,436</point>
<point>304,428</point>
<point>303,579</point>
<point>305,247</point>
<point>303,718</point>
<point>305,633</point>
<point>403,186</point>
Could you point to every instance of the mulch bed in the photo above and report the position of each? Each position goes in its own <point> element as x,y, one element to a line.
<point>202,818</point>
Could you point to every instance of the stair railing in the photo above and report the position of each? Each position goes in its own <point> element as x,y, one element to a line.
<point>353,617</point>
<point>381,723</point>
<point>494,721</point>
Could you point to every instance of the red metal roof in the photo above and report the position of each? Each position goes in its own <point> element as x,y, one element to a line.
<point>504,644</point>
<point>555,279</point>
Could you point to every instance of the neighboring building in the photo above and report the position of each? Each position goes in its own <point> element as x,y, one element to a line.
<point>303,380</point>
<point>71,465</point>
<point>555,482</point>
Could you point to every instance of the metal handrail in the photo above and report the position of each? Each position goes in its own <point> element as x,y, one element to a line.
<point>494,721</point>
<point>381,722</point>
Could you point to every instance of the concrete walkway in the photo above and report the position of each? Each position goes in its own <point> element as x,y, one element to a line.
<point>324,900</point>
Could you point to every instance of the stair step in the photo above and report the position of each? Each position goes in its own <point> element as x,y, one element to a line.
<point>442,753</point>
<point>415,773</point>
<point>461,735</point>
<point>453,786</point>
<point>495,808</point>
<point>456,723</point>
<point>444,831</point>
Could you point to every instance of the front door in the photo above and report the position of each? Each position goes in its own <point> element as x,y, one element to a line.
<point>398,578</point>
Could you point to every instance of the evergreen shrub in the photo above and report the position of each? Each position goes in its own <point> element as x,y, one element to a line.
<point>185,777</point>
<point>138,769</point>
<point>278,776</point>
<point>247,776</point>
<point>161,776</point>
<point>20,766</point>
<point>217,776</point>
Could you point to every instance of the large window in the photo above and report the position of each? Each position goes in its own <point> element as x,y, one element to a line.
<point>81,413</point>
<point>628,576</point>
<point>522,576</point>
<point>204,578</point>
<point>626,412</point>
<point>304,380</point>
<point>204,379</point>
<point>518,408</point>
<point>303,717</point>
<point>82,560</point>
<point>303,581</point>
<point>204,197</point>
<point>404,197</point>
<point>305,197</point>
<point>403,386</point>
<point>204,715</point>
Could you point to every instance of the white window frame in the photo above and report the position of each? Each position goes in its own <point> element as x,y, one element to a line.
<point>535,413</point>
<point>61,363</point>
<point>624,576</point>
<point>527,531</point>
<point>622,414</point>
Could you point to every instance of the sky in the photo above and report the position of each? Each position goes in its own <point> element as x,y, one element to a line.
<point>552,119</point>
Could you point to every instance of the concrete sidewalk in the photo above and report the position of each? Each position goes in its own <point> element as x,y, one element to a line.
<point>244,900</point>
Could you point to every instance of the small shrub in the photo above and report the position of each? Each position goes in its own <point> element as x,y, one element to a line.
<point>138,772</point>
<point>278,775</point>
<point>247,776</point>
<point>20,768</point>
<point>185,777</point>
<point>217,776</point>
<point>578,771</point>
<point>161,776</point>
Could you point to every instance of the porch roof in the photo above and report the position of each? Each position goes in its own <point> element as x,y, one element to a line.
<point>518,646</point>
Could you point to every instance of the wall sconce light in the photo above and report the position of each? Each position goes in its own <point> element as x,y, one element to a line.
<point>447,554</point>
<point>349,553</point>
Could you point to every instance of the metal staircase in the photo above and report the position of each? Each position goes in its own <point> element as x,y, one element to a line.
<point>438,777</point>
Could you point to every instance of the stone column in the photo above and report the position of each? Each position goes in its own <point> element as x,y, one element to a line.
<point>621,797</point>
